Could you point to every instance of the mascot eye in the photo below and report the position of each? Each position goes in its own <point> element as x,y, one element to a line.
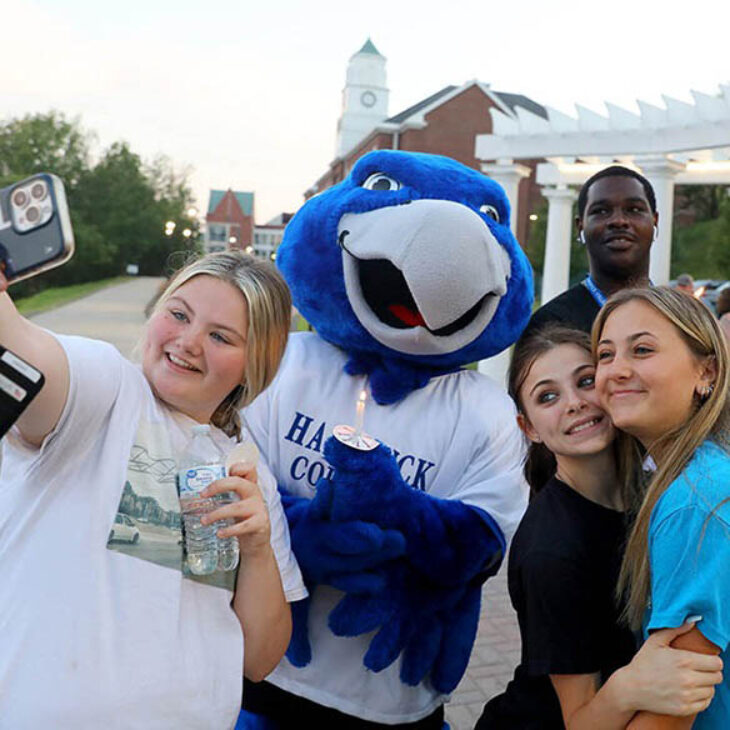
<point>491,211</point>
<point>381,181</point>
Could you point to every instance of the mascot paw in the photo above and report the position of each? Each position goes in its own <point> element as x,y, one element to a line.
<point>299,651</point>
<point>387,644</point>
<point>328,552</point>
<point>432,626</point>
<point>359,614</point>
<point>460,631</point>
<point>421,651</point>
<point>249,721</point>
<point>353,469</point>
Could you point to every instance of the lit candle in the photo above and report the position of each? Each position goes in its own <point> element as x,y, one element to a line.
<point>355,437</point>
<point>360,413</point>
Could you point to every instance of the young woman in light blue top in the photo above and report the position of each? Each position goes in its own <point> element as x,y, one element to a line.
<point>662,375</point>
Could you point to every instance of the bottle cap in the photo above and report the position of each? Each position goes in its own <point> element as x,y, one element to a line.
<point>201,428</point>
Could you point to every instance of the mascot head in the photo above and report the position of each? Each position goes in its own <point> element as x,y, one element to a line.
<point>409,259</point>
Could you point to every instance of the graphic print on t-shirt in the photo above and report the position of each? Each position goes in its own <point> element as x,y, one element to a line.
<point>148,523</point>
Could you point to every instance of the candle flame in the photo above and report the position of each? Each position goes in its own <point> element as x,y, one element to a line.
<point>363,396</point>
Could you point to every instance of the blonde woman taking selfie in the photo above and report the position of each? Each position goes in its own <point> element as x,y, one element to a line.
<point>99,634</point>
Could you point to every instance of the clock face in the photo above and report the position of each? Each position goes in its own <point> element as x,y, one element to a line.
<point>367,98</point>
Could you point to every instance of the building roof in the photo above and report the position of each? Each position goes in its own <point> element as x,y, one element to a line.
<point>515,100</point>
<point>398,118</point>
<point>245,200</point>
<point>511,101</point>
<point>369,47</point>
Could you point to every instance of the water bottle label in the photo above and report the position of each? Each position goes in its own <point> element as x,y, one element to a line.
<point>194,480</point>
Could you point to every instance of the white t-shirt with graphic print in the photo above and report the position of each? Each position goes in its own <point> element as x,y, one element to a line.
<point>456,438</point>
<point>98,634</point>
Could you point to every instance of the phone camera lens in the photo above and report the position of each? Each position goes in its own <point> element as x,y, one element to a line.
<point>32,215</point>
<point>20,198</point>
<point>39,191</point>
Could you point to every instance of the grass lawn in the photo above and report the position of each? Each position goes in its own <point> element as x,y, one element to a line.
<point>56,296</point>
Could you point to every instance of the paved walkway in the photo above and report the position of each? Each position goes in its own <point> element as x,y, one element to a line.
<point>494,658</point>
<point>116,314</point>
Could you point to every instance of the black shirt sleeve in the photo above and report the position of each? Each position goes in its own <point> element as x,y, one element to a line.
<point>575,308</point>
<point>563,622</point>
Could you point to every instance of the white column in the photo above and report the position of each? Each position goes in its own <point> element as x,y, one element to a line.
<point>508,174</point>
<point>556,270</point>
<point>661,171</point>
<point>496,367</point>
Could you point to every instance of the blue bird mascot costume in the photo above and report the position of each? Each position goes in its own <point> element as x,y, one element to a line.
<point>408,271</point>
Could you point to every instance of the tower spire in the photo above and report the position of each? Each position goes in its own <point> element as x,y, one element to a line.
<point>364,98</point>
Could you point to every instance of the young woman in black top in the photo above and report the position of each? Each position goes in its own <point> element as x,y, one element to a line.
<point>577,669</point>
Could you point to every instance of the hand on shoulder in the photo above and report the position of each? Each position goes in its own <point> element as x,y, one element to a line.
<point>671,681</point>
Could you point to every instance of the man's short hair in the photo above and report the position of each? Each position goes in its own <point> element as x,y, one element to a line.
<point>615,171</point>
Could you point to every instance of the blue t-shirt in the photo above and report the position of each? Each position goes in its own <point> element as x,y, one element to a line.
<point>689,554</point>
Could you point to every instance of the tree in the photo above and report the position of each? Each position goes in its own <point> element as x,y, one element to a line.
<point>44,142</point>
<point>118,206</point>
<point>130,207</point>
<point>703,248</point>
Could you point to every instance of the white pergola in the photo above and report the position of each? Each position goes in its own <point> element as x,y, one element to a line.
<point>682,143</point>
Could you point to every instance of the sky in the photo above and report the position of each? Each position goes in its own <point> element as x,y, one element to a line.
<point>247,94</point>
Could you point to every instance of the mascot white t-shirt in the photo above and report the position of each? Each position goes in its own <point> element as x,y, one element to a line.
<point>455,438</point>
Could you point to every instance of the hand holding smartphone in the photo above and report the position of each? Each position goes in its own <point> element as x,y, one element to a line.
<point>20,382</point>
<point>35,235</point>
<point>35,227</point>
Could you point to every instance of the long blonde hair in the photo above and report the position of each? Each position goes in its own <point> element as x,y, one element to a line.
<point>710,418</point>
<point>269,315</point>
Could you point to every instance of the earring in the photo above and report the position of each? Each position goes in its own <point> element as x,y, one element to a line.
<point>582,238</point>
<point>705,392</point>
<point>655,234</point>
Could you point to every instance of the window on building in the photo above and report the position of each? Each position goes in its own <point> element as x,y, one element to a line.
<point>216,232</point>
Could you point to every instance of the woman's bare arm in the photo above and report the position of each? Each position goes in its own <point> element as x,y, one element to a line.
<point>44,352</point>
<point>662,676</point>
<point>259,600</point>
<point>692,641</point>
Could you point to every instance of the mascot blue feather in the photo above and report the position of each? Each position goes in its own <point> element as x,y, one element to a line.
<point>426,190</point>
<point>409,270</point>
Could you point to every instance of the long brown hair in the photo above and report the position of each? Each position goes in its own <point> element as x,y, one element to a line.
<point>710,418</point>
<point>540,464</point>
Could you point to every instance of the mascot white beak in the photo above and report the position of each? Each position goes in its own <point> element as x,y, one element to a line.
<point>428,243</point>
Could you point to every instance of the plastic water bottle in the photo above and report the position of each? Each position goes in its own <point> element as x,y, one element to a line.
<point>228,548</point>
<point>198,466</point>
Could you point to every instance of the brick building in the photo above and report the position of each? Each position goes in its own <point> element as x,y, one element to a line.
<point>445,123</point>
<point>267,237</point>
<point>230,225</point>
<point>229,222</point>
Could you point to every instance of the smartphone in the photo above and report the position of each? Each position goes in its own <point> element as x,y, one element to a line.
<point>20,382</point>
<point>35,226</point>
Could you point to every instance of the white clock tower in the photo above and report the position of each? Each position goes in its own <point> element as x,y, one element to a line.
<point>364,98</point>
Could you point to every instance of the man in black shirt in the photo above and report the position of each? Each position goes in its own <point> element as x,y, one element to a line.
<point>616,221</point>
